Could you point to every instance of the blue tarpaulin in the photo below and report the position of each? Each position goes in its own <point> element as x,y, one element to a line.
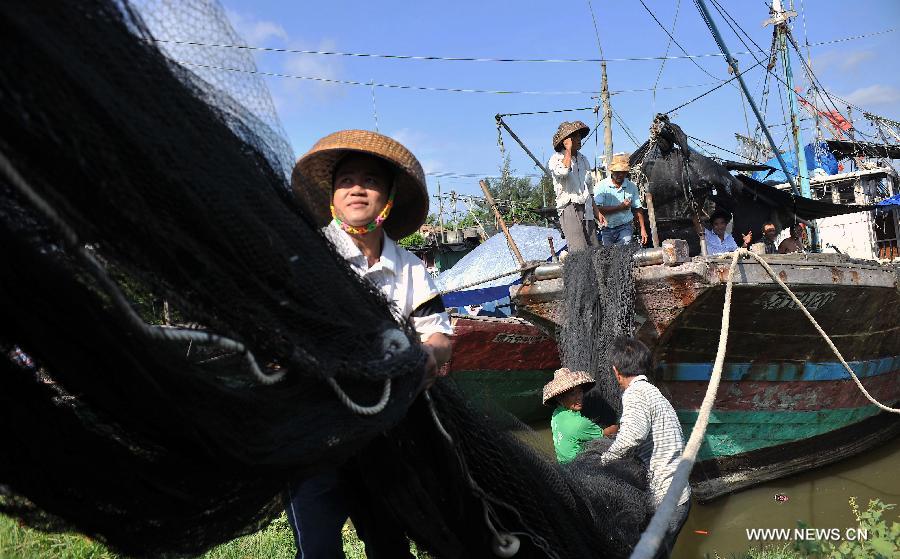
<point>892,201</point>
<point>491,258</point>
<point>817,157</point>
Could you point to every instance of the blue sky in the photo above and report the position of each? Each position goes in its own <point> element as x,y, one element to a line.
<point>455,132</point>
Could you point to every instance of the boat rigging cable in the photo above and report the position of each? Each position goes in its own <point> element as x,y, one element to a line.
<point>814,80</point>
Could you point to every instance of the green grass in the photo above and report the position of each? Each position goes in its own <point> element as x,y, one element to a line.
<point>274,542</point>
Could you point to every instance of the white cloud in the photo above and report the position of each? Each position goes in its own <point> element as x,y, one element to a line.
<point>852,60</point>
<point>423,147</point>
<point>256,31</point>
<point>843,61</point>
<point>313,66</point>
<point>873,95</point>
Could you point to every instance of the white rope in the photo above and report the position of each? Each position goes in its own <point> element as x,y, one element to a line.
<point>356,408</point>
<point>659,524</point>
<point>837,353</point>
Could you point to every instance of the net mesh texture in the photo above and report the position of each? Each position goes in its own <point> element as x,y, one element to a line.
<point>160,448</point>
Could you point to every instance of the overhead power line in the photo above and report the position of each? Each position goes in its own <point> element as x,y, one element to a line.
<point>372,83</point>
<point>490,59</point>
<point>386,85</point>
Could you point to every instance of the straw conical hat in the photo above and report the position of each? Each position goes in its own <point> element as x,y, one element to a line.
<point>565,379</point>
<point>620,163</point>
<point>313,175</point>
<point>566,129</point>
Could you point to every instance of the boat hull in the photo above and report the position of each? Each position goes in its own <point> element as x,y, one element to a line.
<point>503,364</point>
<point>785,404</point>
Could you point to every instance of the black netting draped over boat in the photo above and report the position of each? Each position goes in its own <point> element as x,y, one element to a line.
<point>599,305</point>
<point>124,174</point>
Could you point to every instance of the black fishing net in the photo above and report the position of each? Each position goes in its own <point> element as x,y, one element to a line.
<point>106,144</point>
<point>598,306</point>
<point>116,161</point>
<point>431,488</point>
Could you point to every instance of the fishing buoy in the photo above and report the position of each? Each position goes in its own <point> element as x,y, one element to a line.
<point>505,545</point>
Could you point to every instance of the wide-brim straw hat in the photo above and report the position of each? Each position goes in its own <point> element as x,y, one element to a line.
<point>565,379</point>
<point>313,175</point>
<point>566,129</point>
<point>620,163</point>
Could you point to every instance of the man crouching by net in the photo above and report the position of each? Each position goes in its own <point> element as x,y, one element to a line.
<point>367,190</point>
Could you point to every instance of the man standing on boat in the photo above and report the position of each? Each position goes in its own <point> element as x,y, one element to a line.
<point>367,190</point>
<point>619,201</point>
<point>570,172</point>
<point>650,428</point>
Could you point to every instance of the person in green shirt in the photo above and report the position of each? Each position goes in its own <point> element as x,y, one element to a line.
<point>571,429</point>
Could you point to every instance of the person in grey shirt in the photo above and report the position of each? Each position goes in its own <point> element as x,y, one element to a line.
<point>650,428</point>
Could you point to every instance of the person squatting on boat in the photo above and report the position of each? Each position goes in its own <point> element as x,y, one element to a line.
<point>650,428</point>
<point>794,243</point>
<point>717,240</point>
<point>369,190</point>
<point>570,172</point>
<point>618,200</point>
<point>571,429</point>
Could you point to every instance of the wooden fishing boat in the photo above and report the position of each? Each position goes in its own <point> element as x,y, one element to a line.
<point>503,363</point>
<point>785,403</point>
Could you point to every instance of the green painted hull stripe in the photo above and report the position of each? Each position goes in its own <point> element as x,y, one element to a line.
<point>735,432</point>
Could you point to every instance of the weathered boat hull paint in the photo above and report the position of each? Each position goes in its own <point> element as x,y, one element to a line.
<point>503,363</point>
<point>784,403</point>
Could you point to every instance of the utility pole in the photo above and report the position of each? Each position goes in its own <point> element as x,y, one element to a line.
<point>441,213</point>
<point>607,119</point>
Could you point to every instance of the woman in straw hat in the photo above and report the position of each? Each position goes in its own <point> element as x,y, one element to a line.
<point>366,190</point>
<point>619,200</point>
<point>570,172</point>
<point>571,429</point>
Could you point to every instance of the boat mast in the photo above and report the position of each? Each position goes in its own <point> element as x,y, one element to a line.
<point>780,19</point>
<point>704,11</point>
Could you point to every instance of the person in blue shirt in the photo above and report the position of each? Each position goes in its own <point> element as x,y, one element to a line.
<point>618,200</point>
<point>717,240</point>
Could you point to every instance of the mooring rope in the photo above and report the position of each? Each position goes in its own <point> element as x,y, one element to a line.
<point>659,524</point>
<point>803,308</point>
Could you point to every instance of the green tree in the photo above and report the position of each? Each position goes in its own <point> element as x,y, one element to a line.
<point>517,197</point>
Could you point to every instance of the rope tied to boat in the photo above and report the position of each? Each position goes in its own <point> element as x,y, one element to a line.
<point>825,336</point>
<point>659,524</point>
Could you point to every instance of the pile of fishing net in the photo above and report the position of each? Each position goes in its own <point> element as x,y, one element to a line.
<point>599,306</point>
<point>123,172</point>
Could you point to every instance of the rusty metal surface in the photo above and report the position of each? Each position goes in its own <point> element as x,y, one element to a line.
<point>857,303</point>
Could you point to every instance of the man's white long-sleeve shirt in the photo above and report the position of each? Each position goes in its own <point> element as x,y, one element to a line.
<point>650,426</point>
<point>572,184</point>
